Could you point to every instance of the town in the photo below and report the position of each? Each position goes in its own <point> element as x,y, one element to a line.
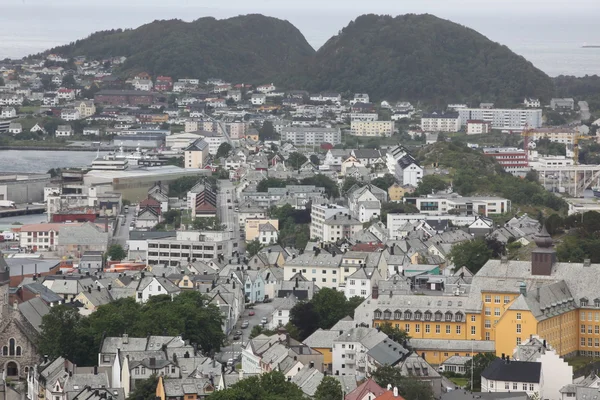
<point>226,232</point>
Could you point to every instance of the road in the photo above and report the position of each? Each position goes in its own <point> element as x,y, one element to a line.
<point>584,111</point>
<point>121,235</point>
<point>226,205</point>
<point>234,347</point>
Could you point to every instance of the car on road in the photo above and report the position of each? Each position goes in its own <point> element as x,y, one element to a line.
<point>229,208</point>
<point>236,209</point>
<point>263,320</point>
<point>230,362</point>
<point>267,300</point>
<point>245,324</point>
<point>237,335</point>
<point>251,313</point>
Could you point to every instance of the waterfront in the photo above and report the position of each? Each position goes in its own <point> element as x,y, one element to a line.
<point>41,161</point>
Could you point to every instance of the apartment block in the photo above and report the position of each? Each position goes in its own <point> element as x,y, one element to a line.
<point>372,128</point>
<point>188,246</point>
<point>310,136</point>
<point>319,214</point>
<point>435,122</point>
<point>442,204</point>
<point>503,118</point>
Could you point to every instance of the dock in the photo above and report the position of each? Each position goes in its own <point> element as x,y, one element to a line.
<point>22,209</point>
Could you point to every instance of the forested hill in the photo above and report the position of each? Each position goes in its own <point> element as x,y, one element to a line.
<point>249,48</point>
<point>422,57</point>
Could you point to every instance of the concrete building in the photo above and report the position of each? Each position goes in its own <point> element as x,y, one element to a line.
<point>340,226</point>
<point>565,104</point>
<point>478,127</point>
<point>319,214</point>
<point>502,118</point>
<point>513,160</point>
<point>442,204</point>
<point>196,154</point>
<point>505,375</point>
<point>350,350</point>
<point>564,135</point>
<point>23,188</point>
<point>311,136</point>
<point>190,245</point>
<point>448,122</point>
<point>372,128</point>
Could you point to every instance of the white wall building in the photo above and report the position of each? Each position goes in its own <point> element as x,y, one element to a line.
<point>311,136</point>
<point>372,128</point>
<point>503,118</point>
<point>321,212</point>
<point>448,122</point>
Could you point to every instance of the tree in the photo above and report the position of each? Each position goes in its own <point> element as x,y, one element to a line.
<point>57,329</point>
<point>260,330</point>
<point>409,387</point>
<point>554,224</point>
<point>208,224</point>
<point>314,159</point>
<point>145,389</point>
<point>396,334</point>
<point>320,180</point>
<point>181,186</point>
<point>69,81</point>
<point>172,217</point>
<point>116,252</point>
<point>253,247</point>
<point>224,150</point>
<point>1,81</point>
<point>305,318</point>
<point>472,254</point>
<point>329,389</point>
<point>429,184</point>
<point>269,386</point>
<point>480,362</point>
<point>348,183</point>
<point>267,131</point>
<point>265,184</point>
<point>295,160</point>
<point>385,181</point>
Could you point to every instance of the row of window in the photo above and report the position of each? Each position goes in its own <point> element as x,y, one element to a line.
<point>595,329</point>
<point>497,299</point>
<point>515,386</point>
<point>418,315</point>
<point>438,329</point>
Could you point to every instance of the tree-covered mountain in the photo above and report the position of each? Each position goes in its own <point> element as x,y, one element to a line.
<point>422,57</point>
<point>249,48</point>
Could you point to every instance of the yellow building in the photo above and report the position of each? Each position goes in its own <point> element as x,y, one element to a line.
<point>322,341</point>
<point>196,154</point>
<point>506,303</point>
<point>396,192</point>
<point>86,108</point>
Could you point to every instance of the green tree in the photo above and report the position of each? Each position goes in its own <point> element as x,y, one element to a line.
<point>384,182</point>
<point>319,180</point>
<point>472,254</point>
<point>224,150</point>
<point>329,389</point>
<point>145,389</point>
<point>305,319</point>
<point>409,387</point>
<point>260,330</point>
<point>554,223</point>
<point>314,159</point>
<point>396,334</point>
<point>429,184</point>
<point>267,131</point>
<point>68,81</point>
<point>348,183</point>
<point>176,161</point>
<point>265,184</point>
<point>253,247</point>
<point>208,224</point>
<point>116,252</point>
<point>480,362</point>
<point>180,186</point>
<point>269,386</point>
<point>295,160</point>
<point>57,328</point>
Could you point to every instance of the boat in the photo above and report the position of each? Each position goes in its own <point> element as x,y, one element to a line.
<point>596,191</point>
<point>111,161</point>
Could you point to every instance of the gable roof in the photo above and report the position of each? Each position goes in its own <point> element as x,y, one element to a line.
<point>513,371</point>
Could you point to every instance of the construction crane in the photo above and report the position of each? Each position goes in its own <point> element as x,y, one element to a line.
<point>576,140</point>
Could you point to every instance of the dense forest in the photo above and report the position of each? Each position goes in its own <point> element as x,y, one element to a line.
<point>242,49</point>
<point>422,57</point>
<point>409,57</point>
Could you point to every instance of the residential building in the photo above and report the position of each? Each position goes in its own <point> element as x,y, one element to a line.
<point>340,226</point>
<point>148,286</point>
<point>258,99</point>
<point>478,127</point>
<point>196,154</point>
<point>435,122</point>
<point>281,315</point>
<point>311,136</point>
<point>319,266</point>
<point>202,201</point>
<point>77,240</point>
<point>70,114</point>
<point>213,139</point>
<point>564,104</point>
<point>124,97</point>
<point>86,108</point>
<point>360,98</point>
<point>252,227</point>
<point>506,375</point>
<point>564,135</point>
<point>513,160</point>
<point>8,112</point>
<point>396,192</point>
<point>372,128</point>
<point>531,102</point>
<point>368,390</point>
<point>190,245</point>
<point>501,118</point>
<point>403,166</point>
<point>319,214</point>
<point>350,350</point>
<point>442,204</point>
<point>364,117</point>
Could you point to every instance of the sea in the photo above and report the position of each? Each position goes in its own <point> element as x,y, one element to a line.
<point>36,161</point>
<point>548,33</point>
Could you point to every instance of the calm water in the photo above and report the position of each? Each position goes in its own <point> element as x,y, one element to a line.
<point>549,34</point>
<point>42,161</point>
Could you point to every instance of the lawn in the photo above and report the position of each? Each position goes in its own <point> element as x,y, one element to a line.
<point>459,381</point>
<point>579,362</point>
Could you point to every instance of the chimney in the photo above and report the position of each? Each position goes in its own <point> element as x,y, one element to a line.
<point>110,286</point>
<point>523,288</point>
<point>45,358</point>
<point>125,338</point>
<point>89,289</point>
<point>312,364</point>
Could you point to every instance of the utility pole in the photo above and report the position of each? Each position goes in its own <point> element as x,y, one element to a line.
<point>472,361</point>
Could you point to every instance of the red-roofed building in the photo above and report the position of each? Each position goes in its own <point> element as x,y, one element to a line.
<point>390,395</point>
<point>164,84</point>
<point>369,390</point>
<point>150,203</point>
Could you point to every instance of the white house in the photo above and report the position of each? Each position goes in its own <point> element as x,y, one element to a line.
<point>360,98</point>
<point>506,375</point>
<point>556,372</point>
<point>267,234</point>
<point>532,103</point>
<point>69,114</point>
<point>150,286</point>
<point>258,99</point>
<point>359,283</point>
<point>142,84</point>
<point>64,131</point>
<point>15,128</point>
<point>37,128</point>
<point>91,131</point>
<point>8,112</point>
<point>281,315</point>
<point>266,88</point>
<point>350,350</point>
<point>65,94</point>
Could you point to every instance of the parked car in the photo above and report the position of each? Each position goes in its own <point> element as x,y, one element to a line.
<point>245,324</point>
<point>251,313</point>
<point>263,320</point>
<point>237,335</point>
<point>267,300</point>
<point>230,362</point>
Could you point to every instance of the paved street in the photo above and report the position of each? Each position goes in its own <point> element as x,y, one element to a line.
<point>122,233</point>
<point>234,348</point>
<point>226,206</point>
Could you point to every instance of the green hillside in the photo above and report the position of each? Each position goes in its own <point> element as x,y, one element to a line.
<point>249,48</point>
<point>422,57</point>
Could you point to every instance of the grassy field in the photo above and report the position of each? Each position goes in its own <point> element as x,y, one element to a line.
<point>579,362</point>
<point>459,381</point>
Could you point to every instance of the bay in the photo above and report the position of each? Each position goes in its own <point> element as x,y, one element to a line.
<point>35,161</point>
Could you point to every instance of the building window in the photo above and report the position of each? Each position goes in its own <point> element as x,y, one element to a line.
<point>524,387</point>
<point>590,342</point>
<point>458,329</point>
<point>11,347</point>
<point>590,329</point>
<point>448,329</point>
<point>418,328</point>
<point>518,328</point>
<point>487,324</point>
<point>496,312</point>
<point>497,299</point>
<point>472,330</point>
<point>531,387</point>
<point>519,316</point>
<point>582,328</point>
<point>506,299</point>
<point>488,298</point>
<point>506,386</point>
<point>515,386</point>
<point>473,318</point>
<point>437,328</point>
<point>487,336</point>
<point>427,328</point>
<point>407,328</point>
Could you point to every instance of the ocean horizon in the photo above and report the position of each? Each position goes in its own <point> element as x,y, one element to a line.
<point>551,42</point>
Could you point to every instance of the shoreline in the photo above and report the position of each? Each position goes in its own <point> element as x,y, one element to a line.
<point>43,148</point>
